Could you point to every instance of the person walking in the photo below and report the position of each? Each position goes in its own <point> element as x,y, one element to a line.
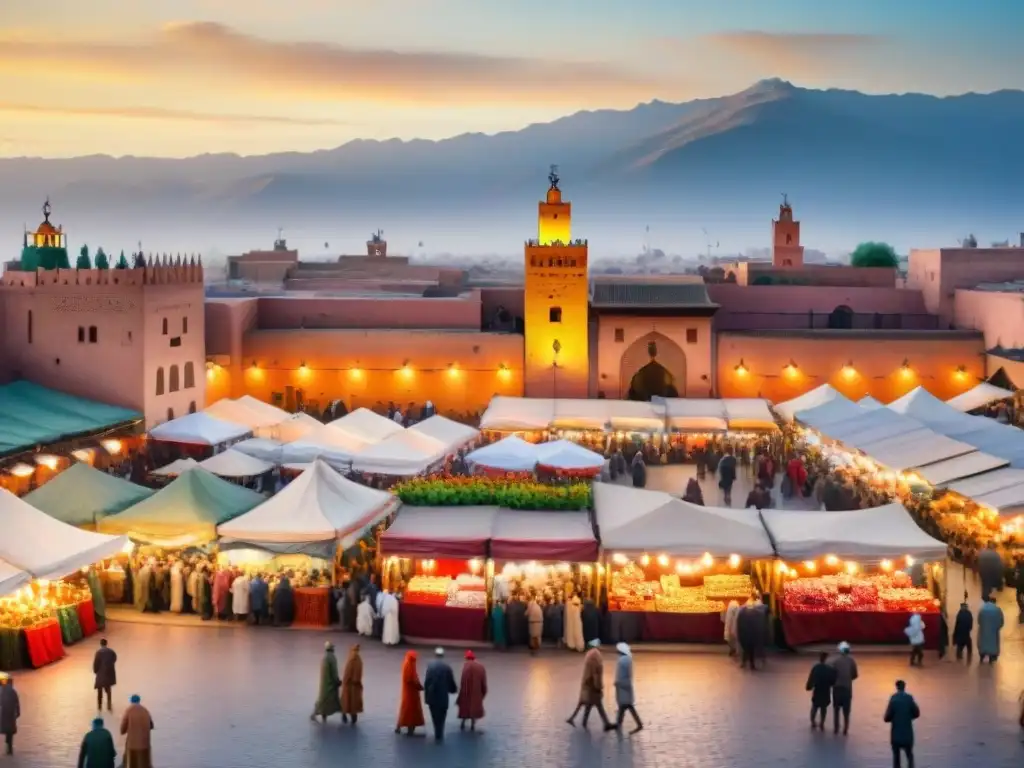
<point>591,686</point>
<point>352,686</point>
<point>259,600</point>
<point>535,622</point>
<point>137,727</point>
<point>842,690</point>
<point>901,714</point>
<point>729,619</point>
<point>328,701</point>
<point>472,691</point>
<point>438,685</point>
<point>915,634</point>
<point>97,750</point>
<point>10,711</point>
<point>625,698</point>
<point>104,667</point>
<point>410,709</point>
<point>962,626</point>
<point>819,683</point>
<point>990,624</point>
<point>727,476</point>
<point>498,626</point>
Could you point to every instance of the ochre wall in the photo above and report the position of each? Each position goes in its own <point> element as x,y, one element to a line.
<point>610,380</point>
<point>363,367</point>
<point>1000,316</point>
<point>933,357</point>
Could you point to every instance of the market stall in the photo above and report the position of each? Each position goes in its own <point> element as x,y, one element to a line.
<point>510,454</point>
<point>296,427</point>
<point>562,457</point>
<point>257,420</point>
<point>366,427</point>
<point>452,434</point>
<point>436,559</point>
<point>979,396</point>
<point>200,429</point>
<point>315,515</point>
<point>673,567</point>
<point>261,448</point>
<point>81,495</point>
<point>789,409</point>
<point>402,454</point>
<point>185,513</point>
<point>235,464</point>
<point>851,575</point>
<point>334,446</point>
<point>175,468</point>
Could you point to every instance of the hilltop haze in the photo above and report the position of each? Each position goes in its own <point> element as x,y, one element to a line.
<point>912,169</point>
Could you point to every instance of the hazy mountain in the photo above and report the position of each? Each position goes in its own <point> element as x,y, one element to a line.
<point>916,170</point>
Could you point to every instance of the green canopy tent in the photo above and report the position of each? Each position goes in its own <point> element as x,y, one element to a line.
<point>81,495</point>
<point>185,513</point>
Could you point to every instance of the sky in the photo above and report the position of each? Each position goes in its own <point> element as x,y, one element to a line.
<point>181,78</point>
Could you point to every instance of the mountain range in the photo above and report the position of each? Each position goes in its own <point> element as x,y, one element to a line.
<point>913,169</point>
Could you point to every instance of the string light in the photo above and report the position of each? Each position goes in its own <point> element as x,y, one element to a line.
<point>734,561</point>
<point>905,368</point>
<point>848,370</point>
<point>645,560</point>
<point>741,369</point>
<point>791,369</point>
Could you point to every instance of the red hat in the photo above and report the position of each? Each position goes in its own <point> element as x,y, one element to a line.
<point>470,656</point>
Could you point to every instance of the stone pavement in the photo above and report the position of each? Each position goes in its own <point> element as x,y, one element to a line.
<point>224,699</point>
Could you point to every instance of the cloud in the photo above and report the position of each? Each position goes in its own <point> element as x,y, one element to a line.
<point>794,54</point>
<point>205,55</point>
<point>158,113</point>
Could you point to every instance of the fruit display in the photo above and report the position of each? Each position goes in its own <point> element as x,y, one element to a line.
<point>464,591</point>
<point>886,593</point>
<point>26,607</point>
<point>632,591</point>
<point>510,490</point>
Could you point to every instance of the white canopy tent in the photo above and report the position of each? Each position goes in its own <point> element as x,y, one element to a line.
<point>239,413</point>
<point>518,414</point>
<point>334,446</point>
<point>635,521</point>
<point>862,535</point>
<point>601,414</point>
<point>695,415</point>
<point>941,473</point>
<point>1008,502</point>
<point>199,429</point>
<point>511,454</point>
<point>271,413</point>
<point>366,426</point>
<point>979,396</point>
<point>974,487</point>
<point>12,578</point>
<point>563,454</point>
<point>298,426</point>
<point>830,412</point>
<point>871,426</point>
<point>403,454</point>
<point>922,405</point>
<point>318,505</point>
<point>260,448</point>
<point>232,463</point>
<point>914,450</point>
<point>869,403</point>
<point>749,413</point>
<point>806,401</point>
<point>450,433</point>
<point>175,468</point>
<point>44,547</point>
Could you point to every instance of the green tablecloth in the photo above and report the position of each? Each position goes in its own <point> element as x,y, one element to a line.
<point>13,652</point>
<point>70,628</point>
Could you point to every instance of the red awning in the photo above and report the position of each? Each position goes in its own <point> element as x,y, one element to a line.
<point>550,536</point>
<point>458,533</point>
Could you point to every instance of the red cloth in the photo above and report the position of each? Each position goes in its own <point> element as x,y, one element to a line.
<point>856,627</point>
<point>87,617</point>
<point>440,622</point>
<point>44,642</point>
<point>797,474</point>
<point>312,606</point>
<point>682,627</point>
<point>579,551</point>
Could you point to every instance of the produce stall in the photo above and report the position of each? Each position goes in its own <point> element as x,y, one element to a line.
<point>673,567</point>
<point>511,491</point>
<point>436,560</point>
<point>39,620</point>
<point>851,575</point>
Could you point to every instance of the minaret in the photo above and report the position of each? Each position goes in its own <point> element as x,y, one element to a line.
<point>556,303</point>
<point>786,248</point>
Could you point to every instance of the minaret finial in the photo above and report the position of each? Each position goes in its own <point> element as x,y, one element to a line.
<point>46,209</point>
<point>553,177</point>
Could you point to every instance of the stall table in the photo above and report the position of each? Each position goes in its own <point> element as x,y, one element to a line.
<point>855,627</point>
<point>313,606</point>
<point>13,649</point>
<point>44,642</point>
<point>663,627</point>
<point>87,617</point>
<point>442,622</point>
<point>70,626</point>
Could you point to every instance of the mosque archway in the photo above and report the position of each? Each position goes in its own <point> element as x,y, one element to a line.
<point>652,366</point>
<point>841,318</point>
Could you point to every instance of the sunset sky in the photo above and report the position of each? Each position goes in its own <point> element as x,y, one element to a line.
<point>156,77</point>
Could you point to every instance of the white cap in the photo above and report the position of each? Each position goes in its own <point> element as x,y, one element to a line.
<point>439,651</point>
<point>844,647</point>
<point>595,643</point>
<point>623,648</point>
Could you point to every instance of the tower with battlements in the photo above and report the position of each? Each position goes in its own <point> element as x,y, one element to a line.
<point>786,248</point>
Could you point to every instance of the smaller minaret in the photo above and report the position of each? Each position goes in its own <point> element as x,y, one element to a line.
<point>377,246</point>
<point>786,248</point>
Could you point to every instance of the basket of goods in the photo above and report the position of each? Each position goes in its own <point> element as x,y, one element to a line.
<point>687,600</point>
<point>427,590</point>
<point>728,586</point>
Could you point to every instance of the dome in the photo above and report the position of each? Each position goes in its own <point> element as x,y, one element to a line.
<point>46,228</point>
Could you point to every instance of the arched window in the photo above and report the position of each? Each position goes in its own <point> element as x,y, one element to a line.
<point>192,407</point>
<point>170,414</point>
<point>841,318</point>
<point>30,326</point>
<point>159,381</point>
<point>165,326</point>
<point>190,376</point>
<point>174,384</point>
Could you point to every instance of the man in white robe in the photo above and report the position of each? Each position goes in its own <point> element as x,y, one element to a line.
<point>389,610</point>
<point>365,617</point>
<point>177,588</point>
<point>192,588</point>
<point>240,597</point>
<point>574,624</point>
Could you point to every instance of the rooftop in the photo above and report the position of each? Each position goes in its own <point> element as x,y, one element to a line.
<point>848,335</point>
<point>1011,286</point>
<point>628,294</point>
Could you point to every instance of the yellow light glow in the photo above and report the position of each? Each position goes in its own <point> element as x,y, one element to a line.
<point>734,561</point>
<point>780,567</point>
<point>303,369</point>
<point>504,373</point>
<point>586,569</point>
<point>619,559</point>
<point>851,567</point>
<point>686,569</point>
<point>210,374</point>
<point>128,547</point>
<point>645,560</point>
<point>22,470</point>
<point>474,566</point>
<point>905,369</point>
<point>741,369</point>
<point>792,573</point>
<point>453,371</point>
<point>406,369</point>
<point>810,566</point>
<point>831,560</point>
<point>663,560</point>
<point>886,565</point>
<point>849,371</point>
<point>910,560</point>
<point>707,561</point>
<point>83,454</point>
<point>355,373</point>
<point>960,373</point>
<point>600,569</point>
<point>48,461</point>
<point>791,370</point>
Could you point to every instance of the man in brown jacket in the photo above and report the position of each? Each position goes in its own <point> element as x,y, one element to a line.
<point>591,687</point>
<point>136,726</point>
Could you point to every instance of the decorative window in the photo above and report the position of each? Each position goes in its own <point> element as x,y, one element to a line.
<point>190,376</point>
<point>173,386</point>
<point>555,315</point>
<point>159,381</point>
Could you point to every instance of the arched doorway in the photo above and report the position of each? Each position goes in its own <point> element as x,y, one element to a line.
<point>841,318</point>
<point>653,365</point>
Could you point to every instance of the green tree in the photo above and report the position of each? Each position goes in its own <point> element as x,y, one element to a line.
<point>874,255</point>
<point>102,262</point>
<point>83,258</point>
<point>122,263</point>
